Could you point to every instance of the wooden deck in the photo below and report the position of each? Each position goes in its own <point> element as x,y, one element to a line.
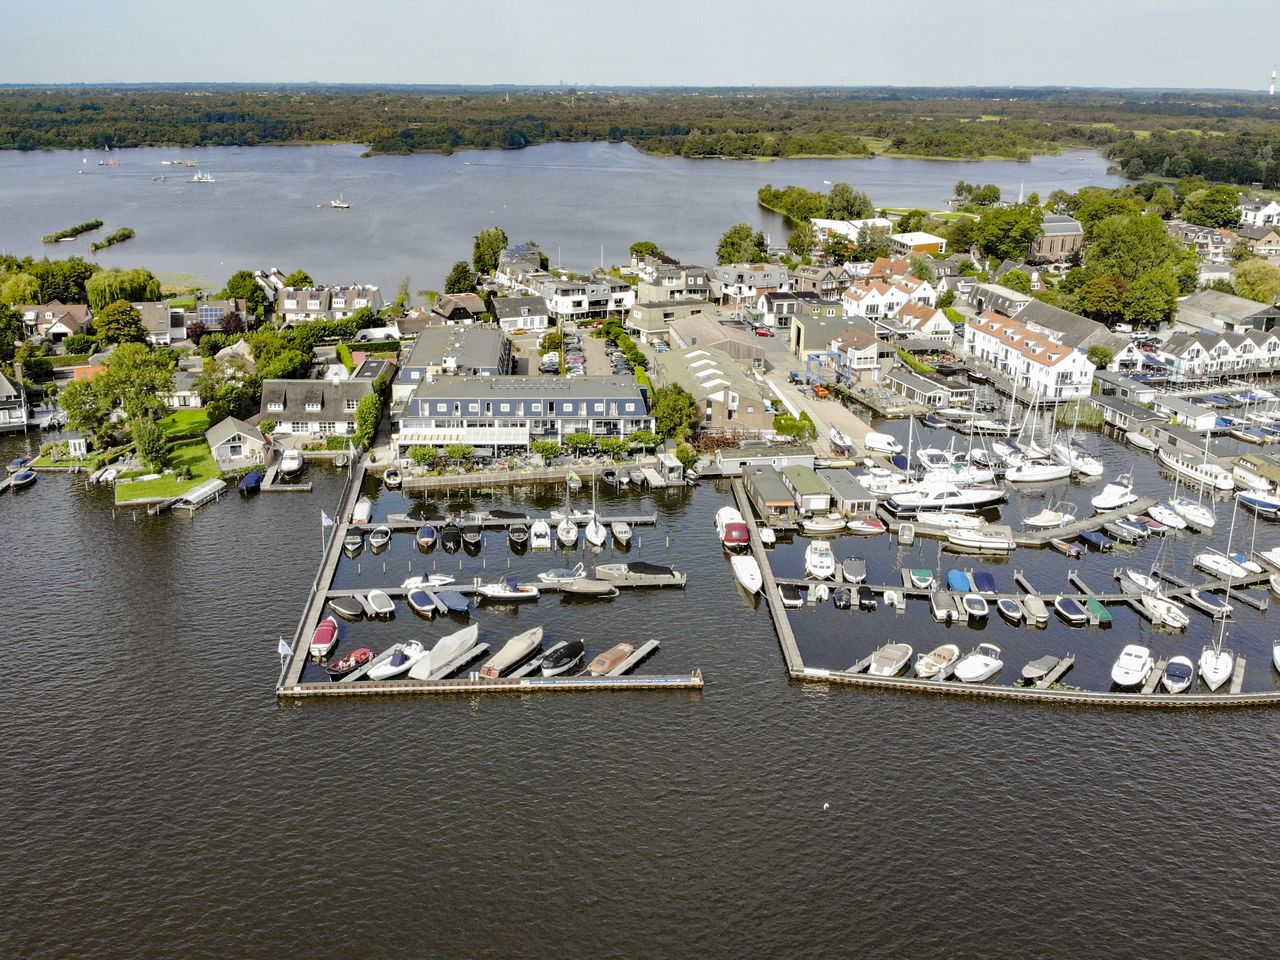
<point>471,686</point>
<point>773,599</point>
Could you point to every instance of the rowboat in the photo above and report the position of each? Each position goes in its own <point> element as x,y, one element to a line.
<point>325,637</point>
<point>1071,610</point>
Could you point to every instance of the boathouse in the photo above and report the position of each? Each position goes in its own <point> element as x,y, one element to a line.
<point>811,494</point>
<point>848,495</point>
<point>235,443</point>
<point>772,498</point>
<point>731,461</point>
<point>1124,415</point>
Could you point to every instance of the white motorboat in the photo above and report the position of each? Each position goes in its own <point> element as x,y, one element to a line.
<point>1219,564</point>
<point>401,661</point>
<point>1144,582</point>
<point>1247,478</point>
<point>1133,666</point>
<point>890,660</point>
<point>362,512</point>
<point>747,572</point>
<point>937,660</point>
<point>1200,473</point>
<point>948,520</point>
<point>444,654</point>
<point>1076,458</point>
<point>732,529</point>
<point>1141,441</point>
<point>939,495</point>
<point>1166,515</point>
<point>621,531</point>
<point>1037,471</point>
<point>428,582</point>
<point>888,484</point>
<point>508,588</point>
<point>975,607</point>
<point>1116,494</point>
<point>595,532</point>
<point>1195,514</point>
<point>989,539</point>
<point>830,523</point>
<point>881,443</point>
<point>325,637</point>
<point>764,532</point>
<point>1265,504</point>
<point>819,561</point>
<point>854,570</point>
<point>290,463</point>
<point>982,663</point>
<point>540,535</point>
<point>380,605</point>
<point>840,441</point>
<point>512,653</point>
<point>567,532</point>
<point>871,527</point>
<point>1164,612</point>
<point>1178,674</point>
<point>1216,666</point>
<point>563,574</point>
<point>1049,518</point>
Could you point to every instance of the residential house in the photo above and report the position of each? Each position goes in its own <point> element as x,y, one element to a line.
<point>1068,328</point>
<point>1112,383</point>
<point>184,396</point>
<point>212,313</point>
<point>164,324</point>
<point>14,411</point>
<point>738,283</point>
<point>733,461</point>
<point>239,353</point>
<point>320,408</point>
<point>848,496</point>
<point>1061,238</point>
<point>992,297</point>
<point>499,414</point>
<point>827,282</point>
<point>812,495</point>
<point>726,397</point>
<point>773,499</point>
<point>652,320</point>
<point>1259,213</point>
<point>1123,414</point>
<point>873,299</point>
<point>915,243</point>
<point>812,335</point>
<point>888,269</point>
<point>516,314</point>
<point>1188,354</point>
<point>648,266</point>
<point>1211,244</point>
<point>1007,266</point>
<point>926,322</point>
<point>857,355</point>
<point>300,304</point>
<point>55,321</point>
<point>705,330</point>
<point>454,308</point>
<point>1188,414</point>
<point>1264,241</point>
<point>454,351</point>
<point>778,309</point>
<point>596,297</point>
<point>929,390</point>
<point>236,444</point>
<point>675,282</point>
<point>849,229</point>
<point>1037,363</point>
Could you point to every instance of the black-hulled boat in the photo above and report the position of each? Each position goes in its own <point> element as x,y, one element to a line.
<point>352,662</point>
<point>349,608</point>
<point>562,657</point>
<point>451,536</point>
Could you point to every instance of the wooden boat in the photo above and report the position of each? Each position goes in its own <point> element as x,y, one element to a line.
<point>349,608</point>
<point>937,660</point>
<point>854,570</point>
<point>1039,668</point>
<point>251,482</point>
<point>562,657</point>
<point>610,660</point>
<point>975,607</point>
<point>512,653</point>
<point>890,660</point>
<point>1010,609</point>
<point>391,479</point>
<point>621,531</point>
<point>353,542</point>
<point>381,604</point>
<point>426,536</point>
<point>325,637</point>
<point>1065,548</point>
<point>401,659</point>
<point>1178,674</point>
<point>379,537</point>
<point>1037,612</point>
<point>589,588</point>
<point>792,595</point>
<point>508,589</point>
<point>454,601</point>
<point>349,663</point>
<point>362,512</point>
<point>445,654</point>
<point>609,476</point>
<point>421,601</point>
<point>641,573</point>
<point>983,663</point>
<point>1071,611</point>
<point>747,572</point>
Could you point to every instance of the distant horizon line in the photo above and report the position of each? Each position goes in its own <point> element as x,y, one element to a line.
<point>513,87</point>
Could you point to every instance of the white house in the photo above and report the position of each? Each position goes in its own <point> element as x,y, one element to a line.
<point>235,443</point>
<point>1259,213</point>
<point>521,313</point>
<point>858,352</point>
<point>1036,363</point>
<point>917,242</point>
<point>850,229</point>
<point>928,322</point>
<point>299,304</point>
<point>873,299</point>
<point>738,283</point>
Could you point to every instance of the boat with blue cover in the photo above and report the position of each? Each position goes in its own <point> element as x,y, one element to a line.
<point>456,602</point>
<point>1096,540</point>
<point>984,582</point>
<point>958,581</point>
<point>252,482</point>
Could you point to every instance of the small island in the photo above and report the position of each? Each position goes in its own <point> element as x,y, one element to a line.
<point>118,236</point>
<point>72,232</point>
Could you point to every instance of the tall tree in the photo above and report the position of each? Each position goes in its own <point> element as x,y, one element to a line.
<point>1212,207</point>
<point>1258,280</point>
<point>675,413</point>
<point>12,332</point>
<point>486,250</point>
<point>741,244</point>
<point>243,286</point>
<point>139,379</point>
<point>299,278</point>
<point>646,248</point>
<point>108,286</point>
<point>19,288</point>
<point>846,203</point>
<point>802,240</point>
<point>911,221</point>
<point>88,405</point>
<point>1006,233</point>
<point>872,244</point>
<point>460,279</point>
<point>149,441</point>
<point>120,322</point>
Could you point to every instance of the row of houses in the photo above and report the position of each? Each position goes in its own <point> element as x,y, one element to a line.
<point>164,323</point>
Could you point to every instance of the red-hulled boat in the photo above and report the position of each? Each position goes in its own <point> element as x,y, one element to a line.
<point>351,662</point>
<point>325,637</point>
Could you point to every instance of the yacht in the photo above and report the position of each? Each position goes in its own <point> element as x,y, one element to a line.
<point>990,539</point>
<point>819,561</point>
<point>340,203</point>
<point>1037,471</point>
<point>732,529</point>
<point>1076,458</point>
<point>1201,473</point>
<point>934,495</point>
<point>1195,514</point>
<point>983,663</point>
<point>202,177</point>
<point>948,520</point>
<point>1164,612</point>
<point>1166,515</point>
<point>1116,494</point>
<point>1221,565</point>
<point>1216,665</point>
<point>1132,667</point>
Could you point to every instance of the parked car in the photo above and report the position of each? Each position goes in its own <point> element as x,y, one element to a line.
<point>764,332</point>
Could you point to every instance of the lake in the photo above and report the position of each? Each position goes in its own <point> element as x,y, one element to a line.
<point>161,803</point>
<point>414,216</point>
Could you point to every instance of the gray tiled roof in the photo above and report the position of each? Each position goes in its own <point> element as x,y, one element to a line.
<point>555,388</point>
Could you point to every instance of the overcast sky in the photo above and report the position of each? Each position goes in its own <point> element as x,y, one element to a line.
<point>1132,43</point>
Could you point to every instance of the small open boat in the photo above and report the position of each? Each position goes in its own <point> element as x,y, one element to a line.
<point>401,661</point>
<point>937,660</point>
<point>362,512</point>
<point>381,604</point>
<point>353,542</point>
<point>1065,548</point>
<point>1010,609</point>
<point>472,534</point>
<point>391,479</point>
<point>17,464</point>
<point>1039,668</point>
<point>251,482</point>
<point>426,536</point>
<point>621,531</point>
<point>508,589</point>
<point>1098,611</point>
<point>747,572</point>
<point>589,588</point>
<point>1178,674</point>
<point>976,607</point>
<point>518,534</point>
<point>610,660</point>
<point>830,523</point>
<point>427,582</point>
<point>379,537</point>
<point>921,578</point>
<point>1037,612</point>
<point>867,527</point>
<point>421,601</point>
<point>609,475</point>
<point>512,653</point>
<point>854,570</point>
<point>540,535</point>
<point>1071,610</point>
<point>350,663</point>
<point>890,660</point>
<point>325,637</point>
<point>349,608</point>
<point>451,536</point>
<point>984,582</point>
<point>562,657</point>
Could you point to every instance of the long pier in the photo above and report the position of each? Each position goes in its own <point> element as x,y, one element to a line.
<point>690,681</point>
<point>782,623</point>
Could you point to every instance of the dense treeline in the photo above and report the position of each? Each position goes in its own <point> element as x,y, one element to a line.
<point>1231,135</point>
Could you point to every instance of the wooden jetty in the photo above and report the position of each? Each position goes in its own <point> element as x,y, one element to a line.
<point>471,686</point>
<point>1258,603</point>
<point>401,523</point>
<point>1057,673</point>
<point>1237,676</point>
<point>781,622</point>
<point>1041,538</point>
<point>1156,673</point>
<point>269,484</point>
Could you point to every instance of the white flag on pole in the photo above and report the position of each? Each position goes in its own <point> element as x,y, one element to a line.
<point>325,519</point>
<point>284,649</point>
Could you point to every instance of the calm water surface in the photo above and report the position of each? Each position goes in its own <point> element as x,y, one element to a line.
<point>414,216</point>
<point>161,803</point>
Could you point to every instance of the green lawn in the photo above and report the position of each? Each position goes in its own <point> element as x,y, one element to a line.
<point>193,454</point>
<point>185,423</point>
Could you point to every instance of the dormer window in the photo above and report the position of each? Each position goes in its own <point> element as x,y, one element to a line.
<point>275,406</point>
<point>313,406</point>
